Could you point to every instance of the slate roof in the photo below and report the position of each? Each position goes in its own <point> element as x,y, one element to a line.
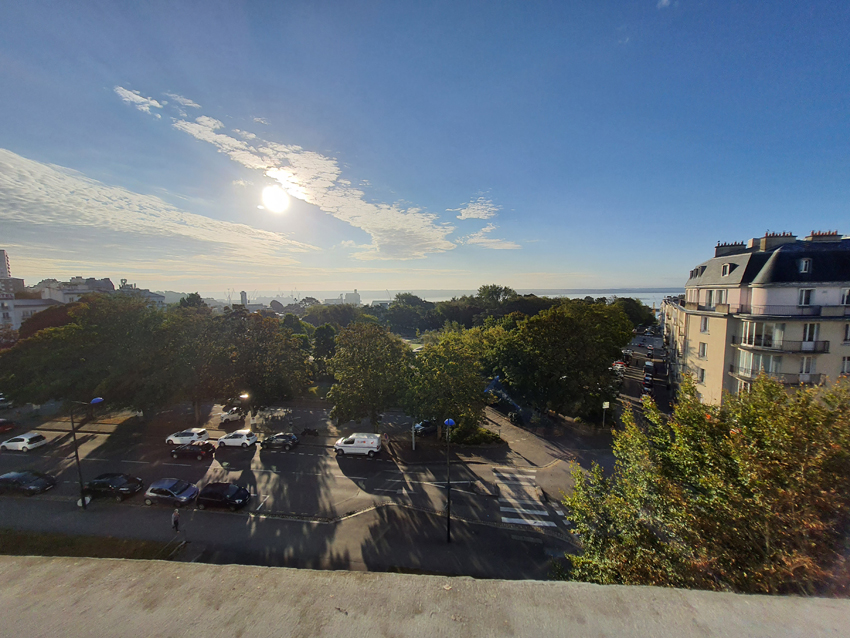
<point>830,263</point>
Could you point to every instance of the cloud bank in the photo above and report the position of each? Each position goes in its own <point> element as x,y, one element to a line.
<point>481,208</point>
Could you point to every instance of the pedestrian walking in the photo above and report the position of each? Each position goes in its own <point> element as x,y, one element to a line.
<point>175,520</point>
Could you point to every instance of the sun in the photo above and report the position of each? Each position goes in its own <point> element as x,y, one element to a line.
<point>275,199</point>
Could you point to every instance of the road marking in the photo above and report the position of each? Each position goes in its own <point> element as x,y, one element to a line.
<point>522,521</point>
<point>516,482</point>
<point>88,458</point>
<point>527,539</point>
<point>522,510</point>
<point>515,501</point>
<point>262,502</point>
<point>126,461</point>
<point>178,464</point>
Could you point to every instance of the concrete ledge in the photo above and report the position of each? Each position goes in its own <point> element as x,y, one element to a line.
<point>96,597</point>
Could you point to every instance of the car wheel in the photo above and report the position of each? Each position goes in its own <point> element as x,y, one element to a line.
<point>244,445</point>
<point>169,442</point>
<point>340,453</point>
<point>3,448</point>
<point>148,501</point>
<point>287,447</point>
<point>371,454</point>
<point>221,444</point>
<point>201,506</point>
<point>173,456</point>
<point>200,457</point>
<point>25,449</point>
<point>119,498</point>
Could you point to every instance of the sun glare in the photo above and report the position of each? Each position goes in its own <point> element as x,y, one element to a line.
<point>275,199</point>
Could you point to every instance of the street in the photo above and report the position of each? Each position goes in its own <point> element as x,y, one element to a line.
<point>310,508</point>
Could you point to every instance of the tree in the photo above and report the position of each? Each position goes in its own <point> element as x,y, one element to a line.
<point>192,300</point>
<point>638,313</point>
<point>560,358</point>
<point>753,496</point>
<point>408,314</point>
<point>324,345</point>
<point>50,317</point>
<point>446,382</point>
<point>370,366</point>
<point>495,295</point>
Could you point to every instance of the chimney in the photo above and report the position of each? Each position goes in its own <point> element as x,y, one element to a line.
<point>770,241</point>
<point>823,236</point>
<point>735,248</point>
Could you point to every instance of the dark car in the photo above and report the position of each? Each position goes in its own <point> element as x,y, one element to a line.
<point>6,425</point>
<point>27,482</point>
<point>171,491</point>
<point>196,450</point>
<point>223,495</point>
<point>114,485</point>
<point>425,428</point>
<point>285,440</point>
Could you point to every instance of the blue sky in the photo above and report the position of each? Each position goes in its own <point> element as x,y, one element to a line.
<point>420,145</point>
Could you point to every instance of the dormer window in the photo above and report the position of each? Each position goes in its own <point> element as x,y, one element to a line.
<point>725,270</point>
<point>805,266</point>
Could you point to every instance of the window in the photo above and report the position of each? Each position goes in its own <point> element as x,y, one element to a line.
<point>702,349</point>
<point>709,298</point>
<point>845,297</point>
<point>720,296</point>
<point>763,335</point>
<point>743,386</point>
<point>807,365</point>
<point>805,265</point>
<point>845,365</point>
<point>805,297</point>
<point>703,324</point>
<point>847,332</point>
<point>700,375</point>
<point>725,270</point>
<point>810,331</point>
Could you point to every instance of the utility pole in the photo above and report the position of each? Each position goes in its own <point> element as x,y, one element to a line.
<point>449,424</point>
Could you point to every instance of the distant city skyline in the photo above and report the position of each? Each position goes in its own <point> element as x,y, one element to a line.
<point>334,146</point>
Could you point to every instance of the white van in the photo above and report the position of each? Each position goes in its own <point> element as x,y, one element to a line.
<point>358,443</point>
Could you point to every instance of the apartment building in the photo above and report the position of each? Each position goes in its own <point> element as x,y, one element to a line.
<point>775,305</point>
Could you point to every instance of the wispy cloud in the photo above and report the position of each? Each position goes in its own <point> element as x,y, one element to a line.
<point>663,3</point>
<point>481,208</point>
<point>183,101</point>
<point>397,232</point>
<point>261,120</point>
<point>482,239</point>
<point>245,134</point>
<point>136,99</point>
<point>41,202</point>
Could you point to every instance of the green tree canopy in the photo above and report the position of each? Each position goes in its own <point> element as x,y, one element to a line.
<point>753,496</point>
<point>192,300</point>
<point>370,366</point>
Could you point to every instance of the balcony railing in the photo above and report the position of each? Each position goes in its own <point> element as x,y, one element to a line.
<point>773,310</point>
<point>786,378</point>
<point>784,345</point>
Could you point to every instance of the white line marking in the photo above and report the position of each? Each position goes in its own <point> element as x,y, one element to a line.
<point>88,458</point>
<point>262,502</point>
<point>126,461</point>
<point>515,501</point>
<point>515,482</point>
<point>522,521</point>
<point>178,464</point>
<point>522,510</point>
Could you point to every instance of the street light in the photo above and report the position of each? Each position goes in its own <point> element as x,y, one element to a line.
<point>449,423</point>
<point>93,402</point>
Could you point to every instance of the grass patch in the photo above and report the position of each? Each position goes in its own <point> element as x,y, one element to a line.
<point>18,543</point>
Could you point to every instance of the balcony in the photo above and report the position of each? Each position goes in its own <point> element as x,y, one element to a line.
<point>786,378</point>
<point>791,311</point>
<point>767,343</point>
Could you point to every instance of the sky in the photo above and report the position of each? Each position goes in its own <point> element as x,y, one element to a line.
<point>209,146</point>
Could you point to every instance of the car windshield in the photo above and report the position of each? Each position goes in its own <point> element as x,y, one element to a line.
<point>118,481</point>
<point>180,486</point>
<point>232,490</point>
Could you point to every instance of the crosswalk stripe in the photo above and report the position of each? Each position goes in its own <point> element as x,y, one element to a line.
<point>522,510</point>
<point>522,521</point>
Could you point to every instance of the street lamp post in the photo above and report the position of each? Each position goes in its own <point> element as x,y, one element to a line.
<point>449,423</point>
<point>93,402</point>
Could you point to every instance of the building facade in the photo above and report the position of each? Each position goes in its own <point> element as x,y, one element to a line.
<point>775,305</point>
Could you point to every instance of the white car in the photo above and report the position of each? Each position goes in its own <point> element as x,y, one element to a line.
<point>240,438</point>
<point>233,414</point>
<point>188,436</point>
<point>24,442</point>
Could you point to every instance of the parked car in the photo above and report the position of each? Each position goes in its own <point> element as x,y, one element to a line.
<point>286,440</point>
<point>358,443</point>
<point>187,436</point>
<point>223,495</point>
<point>6,425</point>
<point>24,442</point>
<point>648,367</point>
<point>233,414</point>
<point>6,404</point>
<point>27,482</point>
<point>240,438</point>
<point>425,428</point>
<point>171,491</point>
<point>114,485</point>
<point>199,450</point>
<point>647,380</point>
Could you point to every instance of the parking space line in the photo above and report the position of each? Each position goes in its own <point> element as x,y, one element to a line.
<point>262,502</point>
<point>178,464</point>
<point>127,461</point>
